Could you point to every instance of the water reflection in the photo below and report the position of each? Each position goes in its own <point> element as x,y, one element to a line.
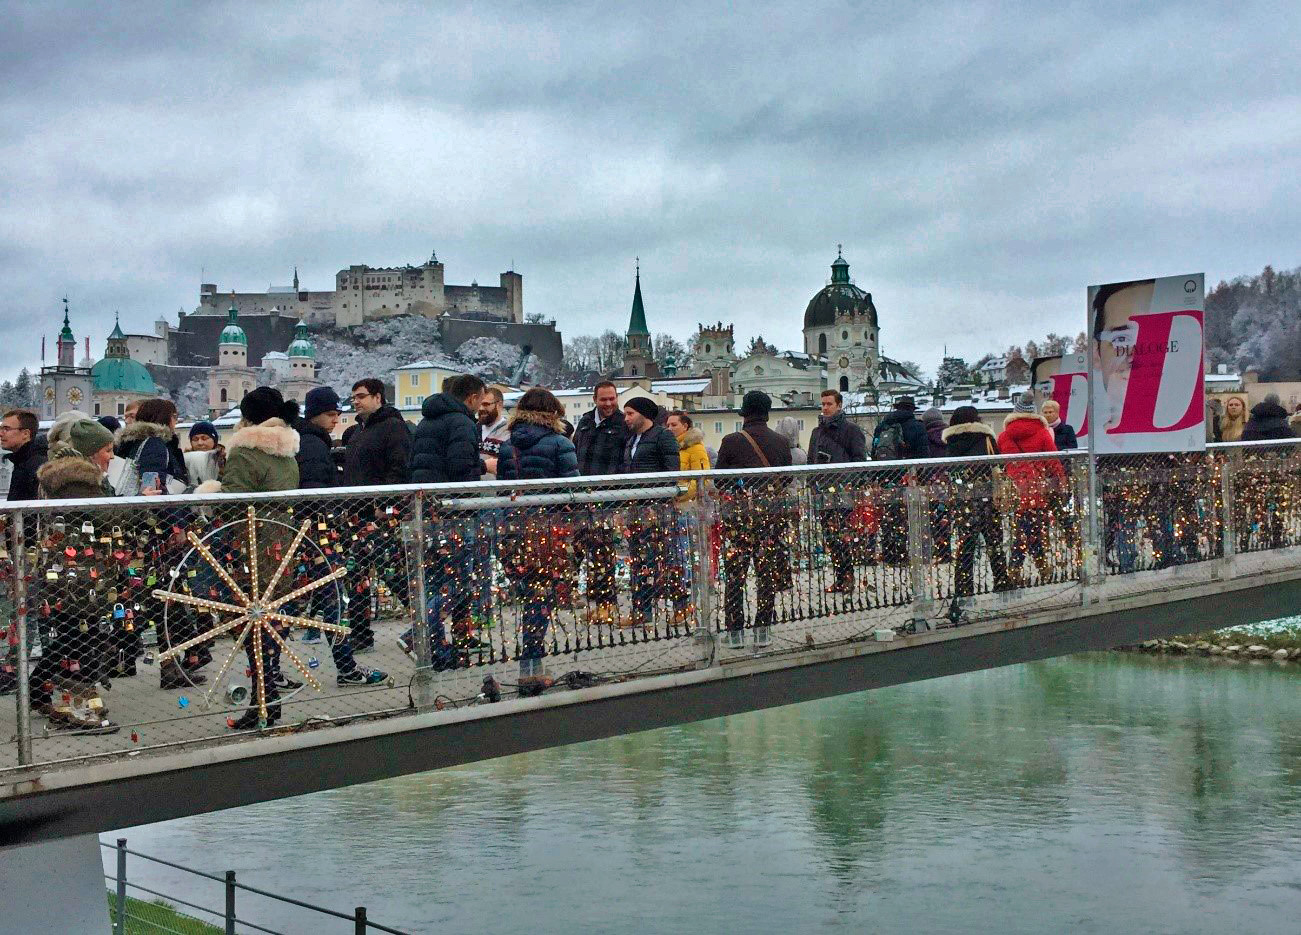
<point>1109,792</point>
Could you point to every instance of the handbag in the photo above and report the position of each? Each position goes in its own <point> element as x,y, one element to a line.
<point>127,481</point>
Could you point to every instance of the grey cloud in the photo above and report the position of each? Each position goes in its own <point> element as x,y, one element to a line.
<point>981,162</point>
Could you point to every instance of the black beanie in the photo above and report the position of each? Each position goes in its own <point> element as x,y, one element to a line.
<point>643,405</point>
<point>756,403</point>
<point>264,403</point>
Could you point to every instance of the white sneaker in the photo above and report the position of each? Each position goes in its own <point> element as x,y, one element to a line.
<point>762,636</point>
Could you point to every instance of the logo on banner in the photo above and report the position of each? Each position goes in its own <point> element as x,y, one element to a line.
<point>1146,362</point>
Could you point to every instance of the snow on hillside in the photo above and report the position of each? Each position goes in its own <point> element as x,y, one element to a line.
<point>376,349</point>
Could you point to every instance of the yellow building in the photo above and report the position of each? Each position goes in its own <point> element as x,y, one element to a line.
<point>414,382</point>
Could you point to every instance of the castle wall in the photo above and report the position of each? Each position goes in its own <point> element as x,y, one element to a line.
<point>544,338</point>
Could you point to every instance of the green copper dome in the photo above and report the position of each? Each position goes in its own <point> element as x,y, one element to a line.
<point>122,375</point>
<point>233,333</point>
<point>302,345</point>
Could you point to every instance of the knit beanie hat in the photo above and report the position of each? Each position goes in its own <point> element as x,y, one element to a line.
<point>88,436</point>
<point>110,422</point>
<point>1024,403</point>
<point>204,428</point>
<point>756,403</point>
<point>643,405</point>
<point>320,400</point>
<point>264,403</point>
<point>932,415</point>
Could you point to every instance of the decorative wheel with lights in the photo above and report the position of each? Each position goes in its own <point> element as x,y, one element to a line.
<point>248,605</point>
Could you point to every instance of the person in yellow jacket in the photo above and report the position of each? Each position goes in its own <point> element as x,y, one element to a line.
<point>691,457</point>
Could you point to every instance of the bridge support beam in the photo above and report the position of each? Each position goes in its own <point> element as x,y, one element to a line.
<point>54,886</point>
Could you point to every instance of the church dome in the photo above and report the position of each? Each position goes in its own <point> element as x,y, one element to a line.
<point>233,333</point>
<point>838,297</point>
<point>122,375</point>
<point>302,345</point>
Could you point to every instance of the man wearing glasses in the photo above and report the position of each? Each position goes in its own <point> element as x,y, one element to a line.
<point>26,452</point>
<point>379,451</point>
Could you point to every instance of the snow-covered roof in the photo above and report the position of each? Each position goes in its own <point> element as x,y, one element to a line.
<point>996,363</point>
<point>680,386</point>
<point>1223,378</point>
<point>428,365</point>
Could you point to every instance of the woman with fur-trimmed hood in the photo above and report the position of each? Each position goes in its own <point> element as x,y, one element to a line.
<point>152,443</point>
<point>1036,482</point>
<point>974,514</point>
<point>537,448</point>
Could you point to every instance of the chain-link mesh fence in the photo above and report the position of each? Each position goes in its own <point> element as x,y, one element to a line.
<point>143,623</point>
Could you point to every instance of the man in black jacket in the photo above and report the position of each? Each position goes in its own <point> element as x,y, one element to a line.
<point>379,449</point>
<point>836,440</point>
<point>316,464</point>
<point>599,439</point>
<point>26,452</point>
<point>898,436</point>
<point>649,449</point>
<point>754,521</point>
<point>446,447</point>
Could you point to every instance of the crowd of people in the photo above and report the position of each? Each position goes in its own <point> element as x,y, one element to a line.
<point>95,597</point>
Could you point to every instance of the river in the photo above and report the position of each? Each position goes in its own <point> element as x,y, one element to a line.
<point>1097,793</point>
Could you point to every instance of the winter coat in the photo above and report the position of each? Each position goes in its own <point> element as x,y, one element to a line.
<point>260,458</point>
<point>26,462</point>
<point>600,447</point>
<point>154,448</point>
<point>735,452</point>
<point>1294,423</point>
<point>69,475</point>
<point>1064,436</point>
<point>379,450</point>
<point>536,448</point>
<point>446,446</point>
<point>1028,433</point>
<point>204,466</point>
<point>915,442</point>
<point>691,457</point>
<point>1268,421</point>
<point>970,440</point>
<point>837,441</point>
<point>657,450</point>
<point>935,447</point>
<point>316,465</point>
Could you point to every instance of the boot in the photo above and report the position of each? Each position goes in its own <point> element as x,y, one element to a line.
<point>172,676</point>
<point>249,719</point>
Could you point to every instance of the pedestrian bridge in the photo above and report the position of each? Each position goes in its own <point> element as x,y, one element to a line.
<point>635,596</point>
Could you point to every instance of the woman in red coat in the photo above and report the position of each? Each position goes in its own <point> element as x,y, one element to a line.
<point>1035,482</point>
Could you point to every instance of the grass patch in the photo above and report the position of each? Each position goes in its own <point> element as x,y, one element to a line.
<point>151,918</point>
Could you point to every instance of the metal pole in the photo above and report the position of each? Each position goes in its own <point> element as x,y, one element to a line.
<point>1228,491</point>
<point>361,920</point>
<point>704,575</point>
<point>24,699</point>
<point>920,552</point>
<point>1093,546</point>
<point>230,902</point>
<point>422,686</point>
<point>121,885</point>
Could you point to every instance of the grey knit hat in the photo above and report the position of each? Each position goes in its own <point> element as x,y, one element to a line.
<point>1024,403</point>
<point>88,436</point>
<point>932,415</point>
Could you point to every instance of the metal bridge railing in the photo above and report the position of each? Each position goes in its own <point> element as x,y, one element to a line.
<point>137,908</point>
<point>144,624</point>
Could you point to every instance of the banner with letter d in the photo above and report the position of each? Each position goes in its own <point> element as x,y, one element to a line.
<point>1145,340</point>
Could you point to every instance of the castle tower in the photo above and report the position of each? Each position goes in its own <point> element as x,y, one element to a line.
<point>231,378</point>
<point>713,355</point>
<point>638,359</point>
<point>302,365</point>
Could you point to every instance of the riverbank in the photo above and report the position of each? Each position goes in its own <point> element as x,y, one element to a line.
<point>1277,641</point>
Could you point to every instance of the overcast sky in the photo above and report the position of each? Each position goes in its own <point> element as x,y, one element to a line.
<point>981,163</point>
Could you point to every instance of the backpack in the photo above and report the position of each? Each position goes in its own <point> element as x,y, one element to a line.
<point>887,443</point>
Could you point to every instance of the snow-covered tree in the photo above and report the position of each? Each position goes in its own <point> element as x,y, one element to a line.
<point>667,346</point>
<point>192,400</point>
<point>492,359</point>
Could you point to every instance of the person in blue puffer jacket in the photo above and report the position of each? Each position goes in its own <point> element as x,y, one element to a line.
<point>536,449</point>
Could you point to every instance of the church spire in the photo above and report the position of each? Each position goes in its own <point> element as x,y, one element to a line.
<point>637,321</point>
<point>295,278</point>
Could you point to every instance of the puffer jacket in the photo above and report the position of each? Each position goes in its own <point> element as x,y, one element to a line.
<point>600,447</point>
<point>379,450</point>
<point>691,457</point>
<point>316,465</point>
<point>935,440</point>
<point>259,458</point>
<point>446,446</point>
<point>657,451</point>
<point>970,440</point>
<point>154,448</point>
<point>1268,421</point>
<point>1028,433</point>
<point>536,448</point>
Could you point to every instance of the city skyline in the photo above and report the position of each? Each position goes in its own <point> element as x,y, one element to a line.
<point>981,167</point>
